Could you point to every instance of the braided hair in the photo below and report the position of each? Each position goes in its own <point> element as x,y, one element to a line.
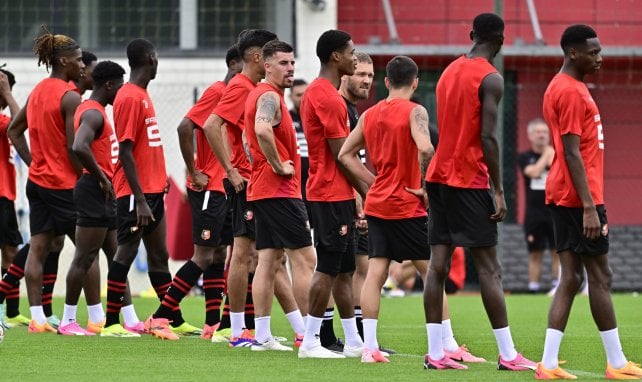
<point>48,47</point>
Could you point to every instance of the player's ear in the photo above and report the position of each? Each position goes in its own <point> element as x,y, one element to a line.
<point>387,82</point>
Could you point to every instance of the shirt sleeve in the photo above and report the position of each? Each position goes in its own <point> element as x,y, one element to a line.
<point>204,106</point>
<point>127,114</point>
<point>4,124</point>
<point>572,110</point>
<point>229,108</point>
<point>333,115</point>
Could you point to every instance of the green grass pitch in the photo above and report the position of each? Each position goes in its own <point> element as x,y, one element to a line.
<point>49,357</point>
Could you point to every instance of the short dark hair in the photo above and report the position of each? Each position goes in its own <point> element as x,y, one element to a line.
<point>107,71</point>
<point>138,51</point>
<point>331,41</point>
<point>488,26</point>
<point>299,82</point>
<point>273,47</point>
<point>231,55</point>
<point>10,77</point>
<point>575,35</point>
<point>401,71</point>
<point>88,57</point>
<point>253,38</point>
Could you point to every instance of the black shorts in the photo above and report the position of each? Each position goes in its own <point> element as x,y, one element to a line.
<point>242,213</point>
<point>569,231</point>
<point>92,208</point>
<point>126,211</point>
<point>361,247</point>
<point>210,218</point>
<point>399,240</point>
<point>538,231</point>
<point>334,235</point>
<point>51,210</point>
<point>281,223</point>
<point>461,216</point>
<point>9,232</point>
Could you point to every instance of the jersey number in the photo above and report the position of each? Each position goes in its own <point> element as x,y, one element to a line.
<point>600,137</point>
<point>153,136</point>
<point>114,148</point>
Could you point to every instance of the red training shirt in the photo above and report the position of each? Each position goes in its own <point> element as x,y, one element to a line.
<point>7,168</point>
<point>135,121</point>
<point>394,155</point>
<point>570,109</point>
<point>264,182</point>
<point>324,116</point>
<point>459,159</point>
<point>50,164</point>
<point>231,108</point>
<point>206,161</point>
<point>105,146</point>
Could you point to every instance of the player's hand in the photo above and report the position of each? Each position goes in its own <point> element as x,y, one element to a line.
<point>362,225</point>
<point>107,188</point>
<point>591,223</point>
<point>500,207</point>
<point>420,192</point>
<point>236,179</point>
<point>199,181</point>
<point>287,168</point>
<point>144,214</point>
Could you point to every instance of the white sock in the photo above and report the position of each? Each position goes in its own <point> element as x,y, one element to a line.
<point>312,329</point>
<point>447,336</point>
<point>96,313</point>
<point>613,348</point>
<point>505,343</point>
<point>435,342</point>
<point>262,325</point>
<point>305,321</point>
<point>533,286</point>
<point>38,315</point>
<point>552,348</point>
<point>68,314</point>
<point>296,321</point>
<point>129,315</point>
<point>237,323</point>
<point>351,332</point>
<point>370,334</point>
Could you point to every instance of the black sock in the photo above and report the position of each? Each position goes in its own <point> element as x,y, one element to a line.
<point>213,287</point>
<point>116,284</point>
<point>225,317</point>
<point>11,281</point>
<point>49,275</point>
<point>161,281</point>
<point>182,283</point>
<point>249,304</point>
<point>326,334</point>
<point>359,317</point>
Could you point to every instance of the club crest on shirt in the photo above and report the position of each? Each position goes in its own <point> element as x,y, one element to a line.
<point>344,230</point>
<point>249,215</point>
<point>206,234</point>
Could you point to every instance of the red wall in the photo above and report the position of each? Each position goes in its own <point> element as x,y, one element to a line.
<point>448,22</point>
<point>617,89</point>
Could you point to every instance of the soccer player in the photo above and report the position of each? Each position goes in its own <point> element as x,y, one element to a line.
<point>353,89</point>
<point>53,168</point>
<point>96,147</point>
<point>538,227</point>
<point>274,189</point>
<point>575,193</point>
<point>395,131</point>
<point>330,196</point>
<point>462,210</point>
<point>140,182</point>
<point>229,118</point>
<point>10,237</point>
<point>209,206</point>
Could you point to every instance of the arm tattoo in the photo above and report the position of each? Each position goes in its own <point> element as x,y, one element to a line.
<point>267,110</point>
<point>246,147</point>
<point>422,121</point>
